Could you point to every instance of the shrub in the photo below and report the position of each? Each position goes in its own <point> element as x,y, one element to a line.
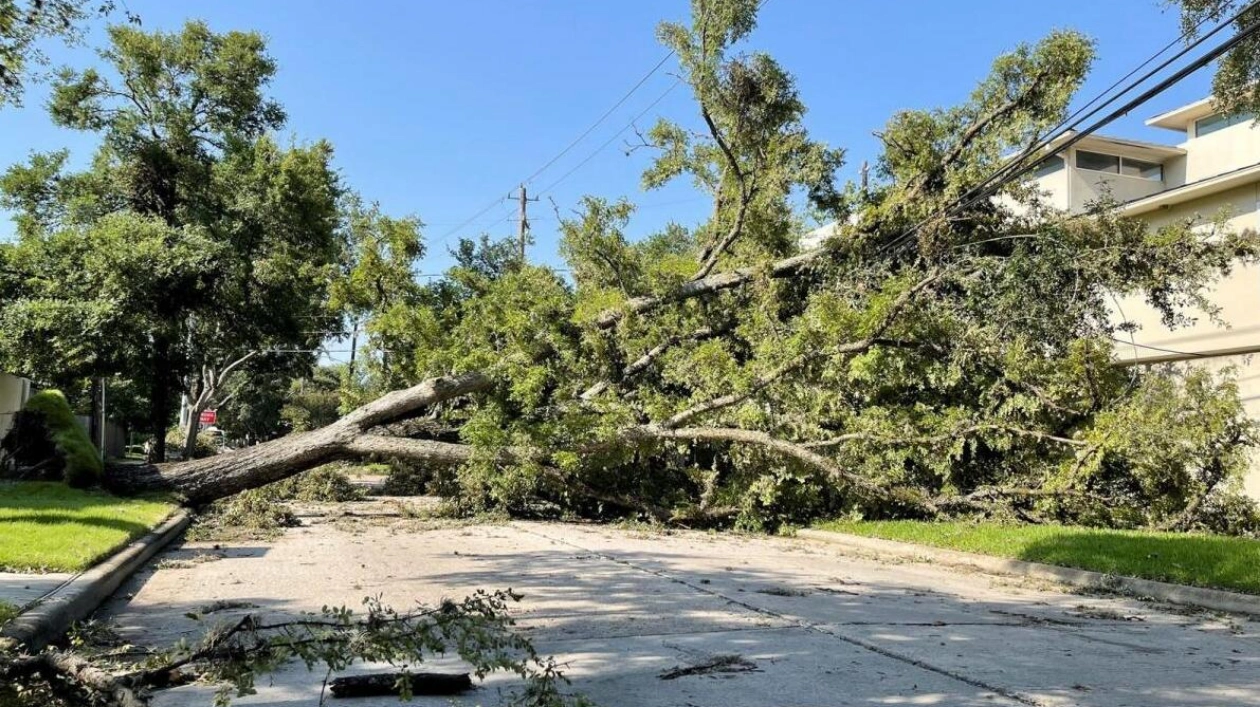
<point>327,483</point>
<point>1229,513</point>
<point>204,446</point>
<point>83,463</point>
<point>405,479</point>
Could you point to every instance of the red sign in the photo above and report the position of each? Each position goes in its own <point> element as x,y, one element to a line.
<point>209,417</point>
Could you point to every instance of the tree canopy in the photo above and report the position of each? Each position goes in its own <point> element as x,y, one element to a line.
<point>193,240</point>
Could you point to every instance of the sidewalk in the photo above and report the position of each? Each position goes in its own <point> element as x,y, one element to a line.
<point>51,603</point>
<point>24,590</point>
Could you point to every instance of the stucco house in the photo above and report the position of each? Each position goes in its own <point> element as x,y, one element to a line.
<point>1212,171</point>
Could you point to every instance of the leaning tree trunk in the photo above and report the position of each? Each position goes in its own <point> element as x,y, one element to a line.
<point>204,480</point>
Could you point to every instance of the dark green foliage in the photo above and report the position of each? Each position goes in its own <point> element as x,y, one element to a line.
<point>1234,85</point>
<point>23,26</point>
<point>192,238</point>
<point>916,366</point>
<point>83,464</point>
<point>327,483</point>
<point>407,479</point>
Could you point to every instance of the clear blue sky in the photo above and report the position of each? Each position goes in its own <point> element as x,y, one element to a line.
<point>439,108</point>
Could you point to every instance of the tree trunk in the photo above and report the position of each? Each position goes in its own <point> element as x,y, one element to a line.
<point>159,393</point>
<point>201,481</point>
<point>191,428</point>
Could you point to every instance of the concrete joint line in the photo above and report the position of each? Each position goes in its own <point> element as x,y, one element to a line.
<point>1216,599</point>
<point>800,623</point>
<point>76,599</point>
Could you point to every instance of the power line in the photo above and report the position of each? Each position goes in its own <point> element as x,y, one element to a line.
<point>1187,354</point>
<point>573,143</point>
<point>602,118</point>
<point>610,140</point>
<point>1077,118</point>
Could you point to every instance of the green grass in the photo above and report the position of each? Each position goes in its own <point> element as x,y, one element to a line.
<point>7,612</point>
<point>50,527</point>
<point>1201,560</point>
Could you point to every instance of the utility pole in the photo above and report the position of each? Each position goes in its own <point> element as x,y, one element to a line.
<point>354,344</point>
<point>866,173</point>
<point>522,232</point>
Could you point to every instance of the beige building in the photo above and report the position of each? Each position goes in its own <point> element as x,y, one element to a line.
<point>1213,171</point>
<point>14,392</point>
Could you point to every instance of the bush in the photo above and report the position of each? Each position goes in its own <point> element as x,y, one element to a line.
<point>405,479</point>
<point>83,463</point>
<point>1229,513</point>
<point>204,447</point>
<point>327,483</point>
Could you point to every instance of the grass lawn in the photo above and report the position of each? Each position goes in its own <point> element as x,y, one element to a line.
<point>53,528</point>
<point>1201,560</point>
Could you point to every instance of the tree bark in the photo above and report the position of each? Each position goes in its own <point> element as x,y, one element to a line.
<point>159,394</point>
<point>201,481</point>
<point>207,390</point>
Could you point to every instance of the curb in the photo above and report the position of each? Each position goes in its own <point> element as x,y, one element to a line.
<point>1216,599</point>
<point>78,598</point>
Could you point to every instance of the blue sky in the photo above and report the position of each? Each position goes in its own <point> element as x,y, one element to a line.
<point>439,109</point>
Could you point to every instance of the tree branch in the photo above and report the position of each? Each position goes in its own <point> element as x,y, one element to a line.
<point>936,439</point>
<point>707,285</point>
<point>862,345</point>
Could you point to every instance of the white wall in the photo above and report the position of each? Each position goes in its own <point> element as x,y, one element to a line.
<point>1237,295</point>
<point>1223,151</point>
<point>13,394</point>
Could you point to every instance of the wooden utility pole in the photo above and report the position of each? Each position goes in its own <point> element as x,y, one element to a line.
<point>354,345</point>
<point>522,232</point>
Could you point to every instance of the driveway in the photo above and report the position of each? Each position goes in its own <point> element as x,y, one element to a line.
<point>633,613</point>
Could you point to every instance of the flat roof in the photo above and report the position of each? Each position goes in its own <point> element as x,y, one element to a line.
<point>1181,118</point>
<point>1194,190</point>
<point>1151,151</point>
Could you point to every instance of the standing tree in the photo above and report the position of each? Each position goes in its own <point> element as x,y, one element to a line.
<point>192,241</point>
<point>25,23</point>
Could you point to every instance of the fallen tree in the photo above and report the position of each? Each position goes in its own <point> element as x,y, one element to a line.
<point>939,353</point>
<point>203,480</point>
<point>932,357</point>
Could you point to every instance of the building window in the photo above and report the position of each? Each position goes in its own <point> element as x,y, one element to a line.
<point>1097,162</point>
<point>1219,121</point>
<point>1112,164</point>
<point>1048,166</point>
<point>1145,170</point>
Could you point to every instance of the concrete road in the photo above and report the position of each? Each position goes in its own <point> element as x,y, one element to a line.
<point>810,626</point>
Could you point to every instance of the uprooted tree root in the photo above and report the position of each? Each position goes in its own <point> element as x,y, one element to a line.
<point>233,654</point>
